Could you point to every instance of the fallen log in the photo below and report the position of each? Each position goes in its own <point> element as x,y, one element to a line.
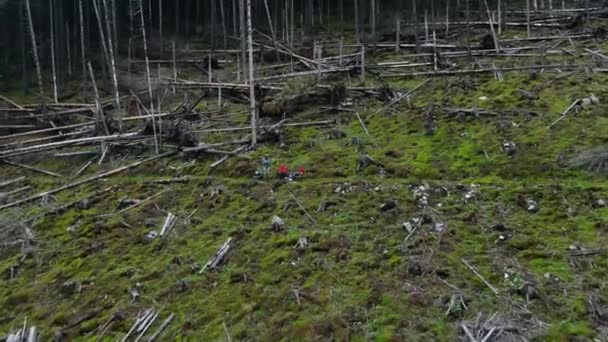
<point>212,85</point>
<point>64,112</point>
<point>47,130</point>
<point>10,102</point>
<point>479,276</point>
<point>12,181</point>
<point>140,203</point>
<point>486,70</point>
<point>564,113</point>
<point>218,257</point>
<point>86,180</point>
<point>60,144</point>
<point>39,140</point>
<point>308,73</point>
<point>295,124</point>
<point>31,168</point>
<point>161,328</point>
<point>67,206</point>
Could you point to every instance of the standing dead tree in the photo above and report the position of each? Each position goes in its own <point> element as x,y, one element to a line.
<point>34,47</point>
<point>252,104</point>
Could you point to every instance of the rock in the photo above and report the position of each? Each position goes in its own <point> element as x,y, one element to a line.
<point>527,94</point>
<point>388,206</point>
<point>302,243</point>
<point>151,235</point>
<point>532,206</point>
<point>177,260</point>
<point>356,141</point>
<point>290,204</point>
<point>414,267</point>
<point>529,290</point>
<point>439,227</point>
<point>591,100</point>
<point>500,227</point>
<point>277,224</point>
<point>84,204</point>
<point>324,205</point>
<point>335,134</point>
<point>126,202</point>
<point>181,286</point>
<point>365,161</point>
<point>135,291</point>
<point>509,147</point>
<point>195,267</point>
<point>69,287</point>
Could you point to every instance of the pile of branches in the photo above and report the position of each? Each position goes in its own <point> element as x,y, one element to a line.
<point>595,160</point>
<point>501,328</point>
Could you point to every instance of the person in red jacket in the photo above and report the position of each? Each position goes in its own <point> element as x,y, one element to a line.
<point>283,171</point>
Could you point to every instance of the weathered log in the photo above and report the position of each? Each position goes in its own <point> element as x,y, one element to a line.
<point>31,168</point>
<point>60,144</point>
<point>218,257</point>
<point>161,328</point>
<point>86,180</point>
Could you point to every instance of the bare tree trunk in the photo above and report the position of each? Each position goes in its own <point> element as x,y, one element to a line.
<point>52,21</point>
<point>34,47</point>
<point>223,19</point>
<point>373,18</point>
<point>496,46</point>
<point>69,47</point>
<point>292,37</point>
<point>447,18</point>
<point>102,35</point>
<point>129,49</point>
<point>174,65</point>
<point>426,27</point>
<point>22,25</point>
<point>143,31</point>
<point>363,64</point>
<point>114,25</point>
<point>252,104</point>
<point>98,108</point>
<point>272,31</point>
<point>397,36</point>
<point>292,23</point>
<point>415,17</point>
<point>176,17</point>
<point>468,30</point>
<point>113,65</point>
<point>357,32</point>
<point>528,16</point>
<point>82,51</point>
<point>160,25</point>
<point>234,15</point>
<point>341,9</point>
<point>243,39</point>
<point>499,14</point>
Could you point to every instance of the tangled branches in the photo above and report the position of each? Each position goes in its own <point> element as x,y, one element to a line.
<point>595,160</point>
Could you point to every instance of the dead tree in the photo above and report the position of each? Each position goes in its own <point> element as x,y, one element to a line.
<point>113,65</point>
<point>102,36</point>
<point>252,104</point>
<point>34,47</point>
<point>148,79</point>
<point>52,22</point>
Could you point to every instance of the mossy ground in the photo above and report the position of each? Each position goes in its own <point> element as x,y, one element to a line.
<point>352,282</point>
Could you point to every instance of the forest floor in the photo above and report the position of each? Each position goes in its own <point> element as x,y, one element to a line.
<point>389,251</point>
